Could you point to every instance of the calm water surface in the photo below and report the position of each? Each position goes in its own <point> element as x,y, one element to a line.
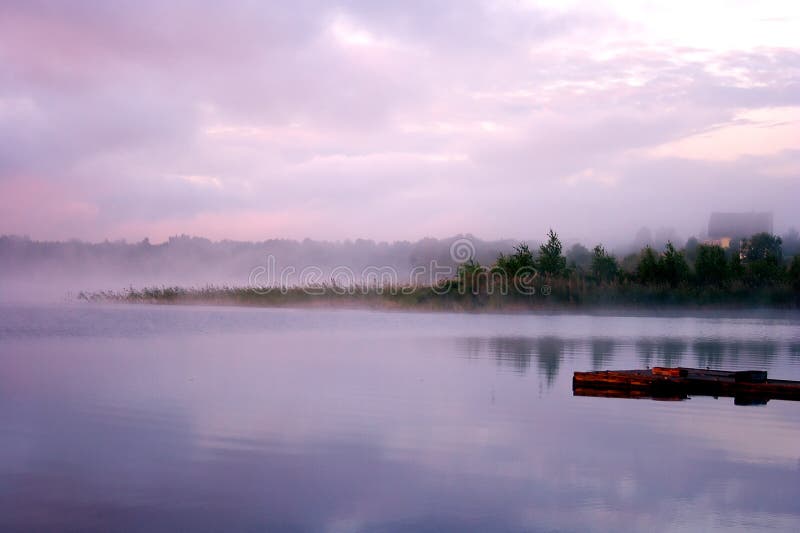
<point>223,419</point>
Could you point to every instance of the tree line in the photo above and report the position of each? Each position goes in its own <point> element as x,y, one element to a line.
<point>751,268</point>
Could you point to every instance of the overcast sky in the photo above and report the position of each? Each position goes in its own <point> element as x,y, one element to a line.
<point>395,120</point>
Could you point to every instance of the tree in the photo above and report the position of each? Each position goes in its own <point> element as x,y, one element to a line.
<point>691,249</point>
<point>762,246</point>
<point>647,269</point>
<point>629,263</point>
<point>711,265</point>
<point>604,266</point>
<point>794,272</point>
<point>791,243</point>
<point>551,262</point>
<point>469,275</point>
<point>736,268</point>
<point>511,265</point>
<point>762,256</point>
<point>579,257</point>
<point>672,266</point>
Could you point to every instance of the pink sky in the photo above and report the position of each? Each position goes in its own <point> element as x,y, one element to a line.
<point>395,120</point>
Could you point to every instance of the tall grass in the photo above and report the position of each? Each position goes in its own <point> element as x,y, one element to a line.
<point>460,295</point>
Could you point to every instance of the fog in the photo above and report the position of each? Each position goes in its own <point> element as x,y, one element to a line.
<point>394,121</point>
<point>58,270</point>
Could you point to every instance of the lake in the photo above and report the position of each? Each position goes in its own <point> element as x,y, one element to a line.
<point>171,418</point>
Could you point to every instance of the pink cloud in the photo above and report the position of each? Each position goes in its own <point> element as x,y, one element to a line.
<point>32,205</point>
<point>378,120</point>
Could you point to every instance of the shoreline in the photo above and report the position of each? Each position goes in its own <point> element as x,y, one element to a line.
<point>446,303</point>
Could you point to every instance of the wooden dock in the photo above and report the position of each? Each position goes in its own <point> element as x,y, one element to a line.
<point>746,387</point>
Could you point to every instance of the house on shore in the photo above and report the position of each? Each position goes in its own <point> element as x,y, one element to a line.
<point>726,227</point>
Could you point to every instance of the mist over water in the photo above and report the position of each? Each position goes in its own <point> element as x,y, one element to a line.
<point>58,267</point>
<point>202,418</point>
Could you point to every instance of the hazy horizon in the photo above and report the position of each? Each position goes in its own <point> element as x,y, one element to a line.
<point>656,237</point>
<point>395,121</point>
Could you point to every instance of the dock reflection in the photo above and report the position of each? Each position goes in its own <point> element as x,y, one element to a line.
<point>743,400</point>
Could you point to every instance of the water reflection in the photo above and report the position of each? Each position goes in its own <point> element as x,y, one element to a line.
<point>715,353</point>
<point>602,352</point>
<point>664,351</point>
<point>382,423</point>
<point>759,350</point>
<point>518,352</point>
<point>550,351</point>
<point>708,353</point>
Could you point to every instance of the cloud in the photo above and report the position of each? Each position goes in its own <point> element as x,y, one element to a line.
<point>392,120</point>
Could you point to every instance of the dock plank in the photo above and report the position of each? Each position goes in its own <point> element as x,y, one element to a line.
<point>683,382</point>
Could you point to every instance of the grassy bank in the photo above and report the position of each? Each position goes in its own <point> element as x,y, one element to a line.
<point>458,295</point>
<point>755,275</point>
